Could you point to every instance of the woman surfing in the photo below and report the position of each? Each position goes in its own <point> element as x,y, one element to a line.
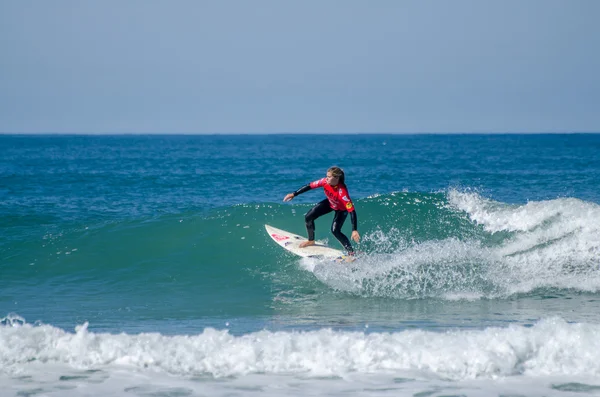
<point>337,200</point>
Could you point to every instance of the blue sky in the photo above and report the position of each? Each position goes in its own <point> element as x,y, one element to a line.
<point>268,66</point>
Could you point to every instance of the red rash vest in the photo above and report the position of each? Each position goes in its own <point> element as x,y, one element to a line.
<point>339,199</point>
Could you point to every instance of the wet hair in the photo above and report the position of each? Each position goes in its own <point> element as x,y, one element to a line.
<point>338,172</point>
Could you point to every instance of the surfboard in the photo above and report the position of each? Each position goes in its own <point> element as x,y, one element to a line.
<point>291,242</point>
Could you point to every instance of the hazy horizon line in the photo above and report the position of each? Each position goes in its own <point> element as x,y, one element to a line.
<point>305,133</point>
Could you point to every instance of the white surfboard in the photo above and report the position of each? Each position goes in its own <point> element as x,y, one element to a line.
<point>291,242</point>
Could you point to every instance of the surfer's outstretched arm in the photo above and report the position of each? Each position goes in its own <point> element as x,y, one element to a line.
<point>303,189</point>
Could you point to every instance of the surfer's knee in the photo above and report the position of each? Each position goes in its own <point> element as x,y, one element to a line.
<point>309,220</point>
<point>337,232</point>
<point>336,228</point>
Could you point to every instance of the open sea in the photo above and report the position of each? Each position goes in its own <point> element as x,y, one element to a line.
<point>136,265</point>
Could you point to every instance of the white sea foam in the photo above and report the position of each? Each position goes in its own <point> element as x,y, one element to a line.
<point>547,358</point>
<point>554,243</point>
<point>569,214</point>
<point>552,346</point>
<point>429,269</point>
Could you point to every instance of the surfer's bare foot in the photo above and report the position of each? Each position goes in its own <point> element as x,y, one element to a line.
<point>307,243</point>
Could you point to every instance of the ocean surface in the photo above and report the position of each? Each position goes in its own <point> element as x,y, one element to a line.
<point>140,266</point>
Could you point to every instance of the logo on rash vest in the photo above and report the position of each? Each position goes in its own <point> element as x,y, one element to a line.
<point>279,237</point>
<point>345,198</point>
<point>348,205</point>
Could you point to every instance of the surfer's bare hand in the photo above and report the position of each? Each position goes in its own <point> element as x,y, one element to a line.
<point>288,197</point>
<point>355,236</point>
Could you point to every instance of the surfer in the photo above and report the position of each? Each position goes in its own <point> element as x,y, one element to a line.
<point>337,200</point>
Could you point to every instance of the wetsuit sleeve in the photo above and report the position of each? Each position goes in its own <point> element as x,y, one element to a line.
<point>343,192</point>
<point>354,220</point>
<point>312,185</point>
<point>303,189</point>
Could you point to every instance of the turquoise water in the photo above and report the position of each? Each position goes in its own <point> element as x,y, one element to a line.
<point>147,254</point>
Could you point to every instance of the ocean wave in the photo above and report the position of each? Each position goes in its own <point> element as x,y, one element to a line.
<point>550,347</point>
<point>503,249</point>
<point>442,245</point>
